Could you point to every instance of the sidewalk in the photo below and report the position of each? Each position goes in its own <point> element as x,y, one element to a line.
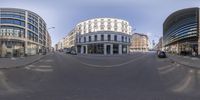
<point>185,60</point>
<point>6,63</point>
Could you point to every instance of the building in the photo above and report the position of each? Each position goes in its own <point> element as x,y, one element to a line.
<point>181,32</point>
<point>103,36</point>
<point>159,45</point>
<point>66,42</point>
<point>60,44</point>
<point>139,43</point>
<point>56,47</point>
<point>22,32</point>
<point>70,40</point>
<point>48,43</point>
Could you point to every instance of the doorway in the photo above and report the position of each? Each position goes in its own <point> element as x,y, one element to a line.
<point>108,49</point>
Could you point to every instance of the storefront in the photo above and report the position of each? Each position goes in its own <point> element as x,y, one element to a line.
<point>11,48</point>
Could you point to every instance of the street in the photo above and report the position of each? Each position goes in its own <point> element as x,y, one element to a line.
<point>138,76</point>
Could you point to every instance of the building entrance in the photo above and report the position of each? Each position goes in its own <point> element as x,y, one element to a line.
<point>108,47</point>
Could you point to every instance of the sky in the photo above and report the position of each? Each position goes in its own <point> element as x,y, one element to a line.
<point>145,16</point>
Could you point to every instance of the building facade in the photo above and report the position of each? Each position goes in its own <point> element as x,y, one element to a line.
<point>103,36</point>
<point>70,40</point>
<point>60,44</point>
<point>181,32</point>
<point>159,45</point>
<point>22,32</point>
<point>139,43</point>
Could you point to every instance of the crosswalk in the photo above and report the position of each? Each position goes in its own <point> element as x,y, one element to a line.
<point>41,66</point>
<point>179,78</point>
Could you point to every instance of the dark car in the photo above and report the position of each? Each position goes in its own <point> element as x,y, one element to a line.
<point>68,52</point>
<point>161,54</point>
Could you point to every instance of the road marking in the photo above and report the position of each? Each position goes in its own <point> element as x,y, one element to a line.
<point>195,58</point>
<point>183,86</point>
<point>167,70</point>
<point>29,66</point>
<point>4,84</point>
<point>47,60</point>
<point>41,68</point>
<point>117,65</point>
<point>45,66</point>
<point>165,67</point>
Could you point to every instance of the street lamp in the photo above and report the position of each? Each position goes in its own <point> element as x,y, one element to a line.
<point>50,28</point>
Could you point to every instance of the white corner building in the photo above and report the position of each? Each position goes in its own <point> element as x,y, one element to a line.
<point>103,36</point>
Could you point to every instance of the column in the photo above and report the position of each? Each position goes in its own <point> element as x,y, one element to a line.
<point>104,49</point>
<point>199,38</point>
<point>82,49</point>
<point>76,49</point>
<point>111,49</point>
<point>127,49</point>
<point>86,49</point>
<point>26,32</point>
<point>120,49</point>
<point>199,47</point>
<point>177,48</point>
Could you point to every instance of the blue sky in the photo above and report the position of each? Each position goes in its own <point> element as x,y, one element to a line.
<point>146,16</point>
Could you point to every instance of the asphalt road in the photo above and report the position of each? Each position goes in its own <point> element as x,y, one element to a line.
<point>139,76</point>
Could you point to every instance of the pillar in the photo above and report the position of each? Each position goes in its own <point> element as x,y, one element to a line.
<point>111,49</point>
<point>199,46</point>
<point>104,49</point>
<point>26,36</point>
<point>127,49</point>
<point>82,49</point>
<point>120,49</point>
<point>76,49</point>
<point>86,49</point>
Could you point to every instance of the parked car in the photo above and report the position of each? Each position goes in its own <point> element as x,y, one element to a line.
<point>73,52</point>
<point>161,54</point>
<point>68,52</point>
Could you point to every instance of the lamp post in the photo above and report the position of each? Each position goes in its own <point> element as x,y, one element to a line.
<point>50,28</point>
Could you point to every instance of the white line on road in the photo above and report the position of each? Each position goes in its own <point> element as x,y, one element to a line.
<point>184,86</point>
<point>167,70</point>
<point>117,65</point>
<point>4,84</point>
<point>43,70</point>
<point>165,67</point>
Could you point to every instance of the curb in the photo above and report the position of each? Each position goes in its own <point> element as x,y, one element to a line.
<point>187,65</point>
<point>23,65</point>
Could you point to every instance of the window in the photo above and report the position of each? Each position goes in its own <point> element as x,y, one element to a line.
<point>109,37</point>
<point>89,38</point>
<point>125,39</point>
<point>102,37</point>
<point>13,16</point>
<point>84,39</point>
<point>33,28</point>
<point>95,38</point>
<point>12,31</point>
<point>115,38</point>
<point>79,40</point>
<point>12,21</point>
<point>122,38</point>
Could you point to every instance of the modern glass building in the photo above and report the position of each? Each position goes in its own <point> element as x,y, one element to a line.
<point>22,32</point>
<point>181,32</point>
<point>103,36</point>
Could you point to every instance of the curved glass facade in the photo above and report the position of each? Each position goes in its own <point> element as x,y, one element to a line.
<point>22,32</point>
<point>180,31</point>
